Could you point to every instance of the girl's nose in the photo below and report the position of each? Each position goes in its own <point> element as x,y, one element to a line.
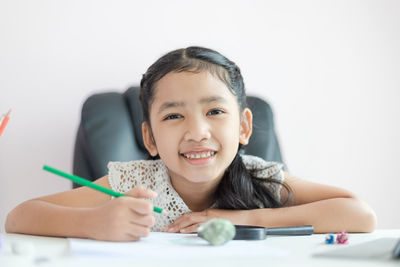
<point>197,130</point>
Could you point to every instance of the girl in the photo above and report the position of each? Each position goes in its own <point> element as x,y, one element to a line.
<point>195,122</point>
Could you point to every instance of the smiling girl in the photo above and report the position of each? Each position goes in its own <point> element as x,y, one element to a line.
<point>195,122</point>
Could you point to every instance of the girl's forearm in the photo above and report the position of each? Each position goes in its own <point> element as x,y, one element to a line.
<point>330,215</point>
<point>42,218</point>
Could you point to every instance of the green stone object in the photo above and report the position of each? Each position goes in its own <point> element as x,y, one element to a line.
<point>217,231</point>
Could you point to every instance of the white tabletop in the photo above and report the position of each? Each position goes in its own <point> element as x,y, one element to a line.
<point>51,251</point>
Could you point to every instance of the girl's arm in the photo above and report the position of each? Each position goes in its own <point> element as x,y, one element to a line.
<point>85,213</point>
<point>327,208</point>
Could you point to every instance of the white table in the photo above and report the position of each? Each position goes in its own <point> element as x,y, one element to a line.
<point>51,251</point>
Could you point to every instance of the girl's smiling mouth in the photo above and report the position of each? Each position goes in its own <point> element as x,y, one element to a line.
<point>199,157</point>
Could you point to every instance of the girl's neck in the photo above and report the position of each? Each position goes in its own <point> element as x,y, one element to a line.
<point>197,196</point>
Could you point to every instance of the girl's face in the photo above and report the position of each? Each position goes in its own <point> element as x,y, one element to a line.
<point>196,126</point>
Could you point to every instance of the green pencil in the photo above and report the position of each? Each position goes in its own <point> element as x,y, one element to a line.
<point>94,186</point>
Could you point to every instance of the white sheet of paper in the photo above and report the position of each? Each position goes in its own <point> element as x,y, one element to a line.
<point>172,246</point>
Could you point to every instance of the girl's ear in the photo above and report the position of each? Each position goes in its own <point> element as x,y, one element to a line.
<point>148,140</point>
<point>246,126</point>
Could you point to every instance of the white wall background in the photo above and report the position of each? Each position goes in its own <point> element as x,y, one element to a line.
<point>330,69</point>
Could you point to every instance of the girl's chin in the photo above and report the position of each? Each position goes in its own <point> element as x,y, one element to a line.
<point>200,180</point>
<point>199,177</point>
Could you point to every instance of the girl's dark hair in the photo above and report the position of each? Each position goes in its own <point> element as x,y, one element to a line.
<point>239,188</point>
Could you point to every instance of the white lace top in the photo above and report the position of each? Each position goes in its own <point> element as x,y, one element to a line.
<point>153,174</point>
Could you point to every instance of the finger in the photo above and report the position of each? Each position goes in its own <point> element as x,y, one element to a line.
<point>173,227</point>
<point>183,218</point>
<point>186,220</point>
<point>141,192</point>
<point>130,237</point>
<point>138,230</point>
<point>140,206</point>
<point>190,229</point>
<point>124,237</point>
<point>143,220</point>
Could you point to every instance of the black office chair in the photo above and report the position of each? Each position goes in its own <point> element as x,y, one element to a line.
<point>111,130</point>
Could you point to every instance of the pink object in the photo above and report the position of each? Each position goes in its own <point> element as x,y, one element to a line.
<point>342,238</point>
<point>4,122</point>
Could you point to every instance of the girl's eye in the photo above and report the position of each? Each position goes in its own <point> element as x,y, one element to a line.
<point>172,117</point>
<point>215,112</point>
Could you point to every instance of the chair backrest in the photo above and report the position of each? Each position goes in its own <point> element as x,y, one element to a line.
<point>110,130</point>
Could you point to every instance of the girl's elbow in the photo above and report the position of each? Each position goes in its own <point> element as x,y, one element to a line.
<point>367,220</point>
<point>10,225</point>
<point>370,221</point>
<point>15,219</point>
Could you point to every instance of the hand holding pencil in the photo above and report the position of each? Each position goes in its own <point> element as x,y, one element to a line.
<point>94,186</point>
<point>125,218</point>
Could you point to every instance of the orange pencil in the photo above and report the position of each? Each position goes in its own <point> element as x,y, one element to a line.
<point>4,122</point>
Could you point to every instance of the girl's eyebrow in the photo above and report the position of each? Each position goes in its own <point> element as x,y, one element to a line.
<point>210,99</point>
<point>167,105</point>
<point>205,100</point>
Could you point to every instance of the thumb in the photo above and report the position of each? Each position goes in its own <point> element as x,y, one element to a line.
<point>141,192</point>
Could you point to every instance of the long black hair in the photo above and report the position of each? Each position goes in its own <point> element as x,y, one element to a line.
<point>239,188</point>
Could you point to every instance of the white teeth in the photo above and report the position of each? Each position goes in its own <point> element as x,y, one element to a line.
<point>199,155</point>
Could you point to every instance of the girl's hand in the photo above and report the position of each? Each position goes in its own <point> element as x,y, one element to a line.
<point>189,222</point>
<point>123,218</point>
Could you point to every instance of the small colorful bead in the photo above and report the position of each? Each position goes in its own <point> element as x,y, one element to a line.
<point>329,239</point>
<point>342,238</point>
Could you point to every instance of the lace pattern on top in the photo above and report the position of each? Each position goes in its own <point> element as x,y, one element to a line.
<point>153,174</point>
<point>269,170</point>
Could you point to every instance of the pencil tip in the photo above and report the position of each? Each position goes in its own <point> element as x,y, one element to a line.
<point>9,112</point>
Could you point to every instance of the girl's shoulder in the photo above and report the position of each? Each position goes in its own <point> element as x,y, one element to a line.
<point>123,176</point>
<point>263,168</point>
